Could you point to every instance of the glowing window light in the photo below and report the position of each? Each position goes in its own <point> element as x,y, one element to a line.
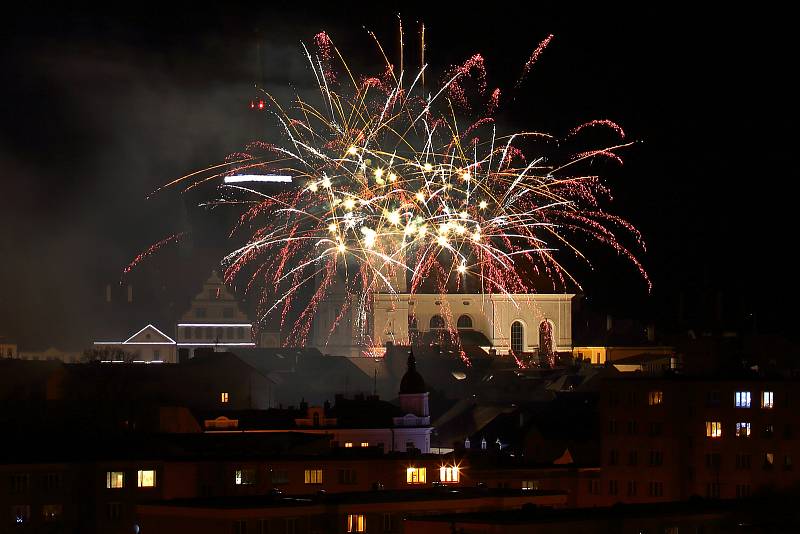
<point>416,475</point>
<point>146,478</point>
<point>713,429</point>
<point>356,523</point>
<point>449,474</point>
<point>268,178</point>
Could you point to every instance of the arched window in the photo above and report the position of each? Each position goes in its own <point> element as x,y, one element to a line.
<point>465,321</point>
<point>517,337</point>
<point>436,323</point>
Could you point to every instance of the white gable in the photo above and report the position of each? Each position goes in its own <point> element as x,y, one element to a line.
<point>150,334</point>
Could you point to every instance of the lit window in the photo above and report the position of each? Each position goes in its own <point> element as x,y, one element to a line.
<point>655,397</point>
<point>416,475</point>
<point>223,397</point>
<point>742,399</point>
<point>313,476</point>
<point>115,479</point>
<point>245,477</point>
<point>530,485</point>
<point>713,429</point>
<point>743,429</point>
<point>449,474</point>
<point>365,444</point>
<point>769,460</point>
<point>146,478</point>
<point>356,523</point>
<point>766,399</point>
<point>348,444</point>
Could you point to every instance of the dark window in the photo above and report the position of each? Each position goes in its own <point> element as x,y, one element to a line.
<point>656,458</point>
<point>633,427</point>
<point>114,510</point>
<point>713,460</point>
<point>612,487</point>
<point>613,457</point>
<point>240,527</point>
<point>279,476</point>
<point>631,488</point>
<point>517,337</point>
<point>633,457</point>
<point>347,476</point>
<point>436,322</point>
<point>464,321</point>
<point>743,461</point>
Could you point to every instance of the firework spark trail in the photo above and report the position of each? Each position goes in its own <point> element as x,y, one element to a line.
<point>534,57</point>
<point>393,190</point>
<point>152,249</point>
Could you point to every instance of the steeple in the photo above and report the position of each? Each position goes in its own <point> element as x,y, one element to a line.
<point>413,393</point>
<point>412,381</point>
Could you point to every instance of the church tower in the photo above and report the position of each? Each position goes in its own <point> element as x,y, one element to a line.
<point>413,393</point>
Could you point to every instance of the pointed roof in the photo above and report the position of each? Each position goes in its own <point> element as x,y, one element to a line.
<point>412,381</point>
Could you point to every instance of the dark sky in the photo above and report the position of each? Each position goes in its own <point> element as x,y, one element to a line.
<point>99,108</point>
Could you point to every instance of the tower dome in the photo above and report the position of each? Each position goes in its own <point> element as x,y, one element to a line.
<point>412,381</point>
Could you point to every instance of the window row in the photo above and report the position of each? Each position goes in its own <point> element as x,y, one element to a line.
<point>21,513</point>
<point>353,523</point>
<point>743,429</point>
<point>741,399</point>
<point>21,482</point>
<point>145,478</point>
<point>414,475</point>
<point>654,459</point>
<point>214,334</point>
<point>654,488</point>
<point>655,428</point>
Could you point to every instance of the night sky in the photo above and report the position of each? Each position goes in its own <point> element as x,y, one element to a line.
<point>100,108</point>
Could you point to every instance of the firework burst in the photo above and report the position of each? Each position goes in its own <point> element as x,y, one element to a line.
<point>395,190</point>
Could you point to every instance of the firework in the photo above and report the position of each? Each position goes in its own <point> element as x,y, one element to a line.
<point>396,185</point>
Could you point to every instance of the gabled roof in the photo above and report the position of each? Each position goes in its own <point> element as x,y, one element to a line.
<point>149,334</point>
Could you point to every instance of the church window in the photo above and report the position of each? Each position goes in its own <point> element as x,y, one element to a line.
<point>465,321</point>
<point>517,337</point>
<point>436,322</point>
